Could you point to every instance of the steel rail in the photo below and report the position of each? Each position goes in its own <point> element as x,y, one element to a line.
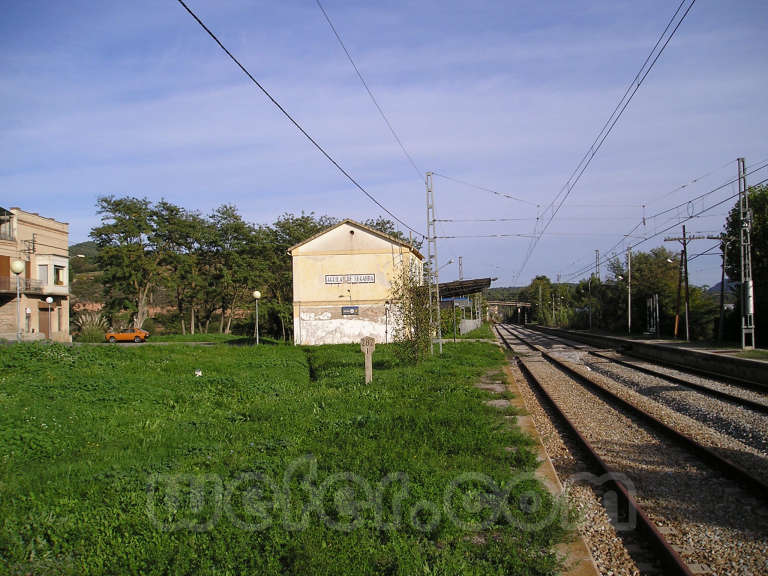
<point>755,485</point>
<point>669,558</point>
<point>625,347</point>
<point>732,398</point>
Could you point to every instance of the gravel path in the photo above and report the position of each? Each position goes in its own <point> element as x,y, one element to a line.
<point>701,512</point>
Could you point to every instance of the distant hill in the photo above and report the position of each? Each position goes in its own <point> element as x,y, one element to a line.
<point>504,293</point>
<point>82,257</point>
<point>730,293</point>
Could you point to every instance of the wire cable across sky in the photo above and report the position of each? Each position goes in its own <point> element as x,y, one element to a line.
<point>653,57</point>
<point>295,123</point>
<point>419,172</point>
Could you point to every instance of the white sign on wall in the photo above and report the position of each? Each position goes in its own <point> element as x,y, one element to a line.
<point>350,278</point>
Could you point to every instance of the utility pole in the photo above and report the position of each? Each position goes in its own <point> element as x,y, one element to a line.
<point>679,287</point>
<point>461,269</point>
<point>434,287</point>
<point>597,263</point>
<point>541,312</point>
<point>687,291</point>
<point>683,275</point>
<point>629,291</point>
<point>723,282</point>
<point>553,308</point>
<point>747,287</point>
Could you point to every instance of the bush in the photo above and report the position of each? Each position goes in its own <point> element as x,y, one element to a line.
<point>150,325</point>
<point>90,334</point>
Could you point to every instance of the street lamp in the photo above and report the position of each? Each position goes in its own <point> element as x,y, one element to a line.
<point>49,300</point>
<point>17,267</point>
<point>256,296</point>
<point>446,264</point>
<point>386,322</point>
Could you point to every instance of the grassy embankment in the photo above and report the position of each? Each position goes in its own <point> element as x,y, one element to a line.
<point>93,437</point>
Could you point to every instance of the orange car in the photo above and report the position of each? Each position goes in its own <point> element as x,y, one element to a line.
<point>129,335</point>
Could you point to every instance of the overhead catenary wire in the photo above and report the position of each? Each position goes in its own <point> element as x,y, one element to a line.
<point>419,172</point>
<point>295,122</point>
<point>671,227</point>
<point>485,189</point>
<point>607,128</point>
<point>611,251</point>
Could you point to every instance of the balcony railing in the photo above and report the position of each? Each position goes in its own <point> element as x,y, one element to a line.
<point>8,284</point>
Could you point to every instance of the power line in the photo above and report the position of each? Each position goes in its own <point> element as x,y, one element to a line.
<point>419,172</point>
<point>463,220</point>
<point>607,128</point>
<point>294,122</point>
<point>675,225</point>
<point>484,189</point>
<point>668,210</point>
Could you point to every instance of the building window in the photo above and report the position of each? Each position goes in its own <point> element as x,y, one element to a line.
<point>6,225</point>
<point>42,274</point>
<point>58,275</point>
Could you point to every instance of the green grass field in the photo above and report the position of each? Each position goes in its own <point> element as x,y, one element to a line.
<point>276,460</point>
<point>213,337</point>
<point>483,331</point>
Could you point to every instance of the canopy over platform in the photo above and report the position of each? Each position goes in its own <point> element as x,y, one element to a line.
<point>459,288</point>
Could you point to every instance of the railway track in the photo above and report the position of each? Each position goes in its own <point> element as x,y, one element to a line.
<point>725,408</point>
<point>691,502</point>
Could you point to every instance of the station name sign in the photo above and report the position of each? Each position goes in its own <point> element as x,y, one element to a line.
<point>350,278</point>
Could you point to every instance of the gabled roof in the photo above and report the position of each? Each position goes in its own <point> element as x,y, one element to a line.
<point>368,229</point>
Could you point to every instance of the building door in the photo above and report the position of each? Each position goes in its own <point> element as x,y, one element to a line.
<point>44,322</point>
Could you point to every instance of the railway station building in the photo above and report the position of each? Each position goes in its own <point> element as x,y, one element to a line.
<point>39,247</point>
<point>342,283</point>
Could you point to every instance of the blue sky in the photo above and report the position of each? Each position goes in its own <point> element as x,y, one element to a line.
<point>133,98</point>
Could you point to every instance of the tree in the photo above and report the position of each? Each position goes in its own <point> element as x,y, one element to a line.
<point>129,260</point>
<point>411,326</point>
<point>179,235</point>
<point>758,204</point>
<point>539,294</point>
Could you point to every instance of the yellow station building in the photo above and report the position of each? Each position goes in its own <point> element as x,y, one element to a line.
<point>342,283</point>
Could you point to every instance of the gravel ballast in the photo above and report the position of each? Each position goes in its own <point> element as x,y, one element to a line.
<point>715,526</point>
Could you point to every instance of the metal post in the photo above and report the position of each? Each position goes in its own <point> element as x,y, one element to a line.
<point>679,288</point>
<point>257,322</point>
<point>720,327</point>
<point>386,322</point>
<point>453,310</point>
<point>461,269</point>
<point>656,313</point>
<point>629,291</point>
<point>687,292</point>
<point>434,291</point>
<point>553,308</point>
<point>747,287</point>
<point>18,309</point>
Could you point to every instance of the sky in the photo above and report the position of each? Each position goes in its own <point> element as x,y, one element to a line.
<point>133,98</point>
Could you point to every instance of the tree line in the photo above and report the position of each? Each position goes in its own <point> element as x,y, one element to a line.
<point>200,269</point>
<point>603,302</point>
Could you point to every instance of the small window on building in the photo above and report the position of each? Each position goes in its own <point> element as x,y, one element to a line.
<point>42,273</point>
<point>58,275</point>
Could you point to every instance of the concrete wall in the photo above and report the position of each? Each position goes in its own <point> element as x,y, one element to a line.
<point>346,266</point>
<point>469,325</point>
